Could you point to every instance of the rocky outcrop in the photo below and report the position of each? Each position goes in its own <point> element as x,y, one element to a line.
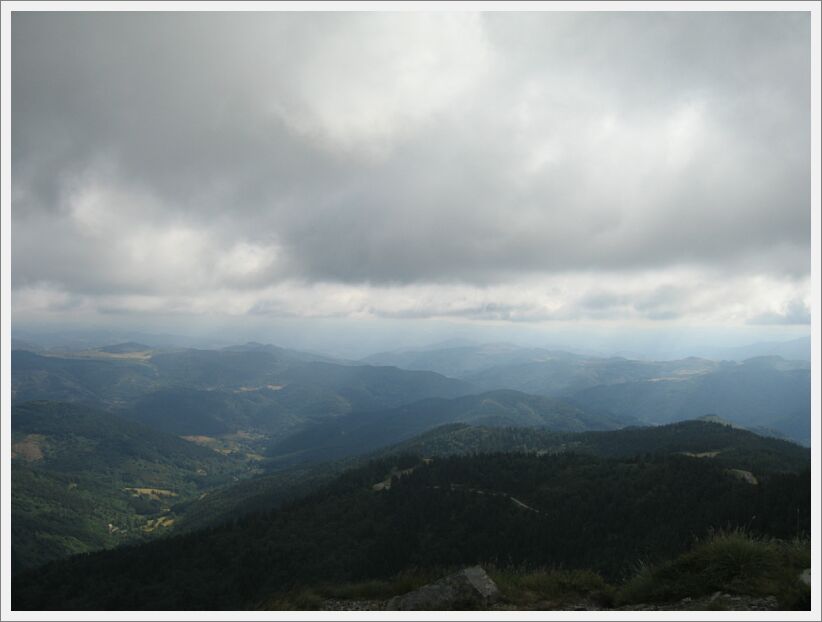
<point>472,589</point>
<point>805,577</point>
<point>716,602</point>
<point>468,589</point>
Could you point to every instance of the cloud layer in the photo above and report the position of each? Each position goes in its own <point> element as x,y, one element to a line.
<point>522,166</point>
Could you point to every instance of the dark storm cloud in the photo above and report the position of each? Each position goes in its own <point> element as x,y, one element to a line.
<point>159,153</point>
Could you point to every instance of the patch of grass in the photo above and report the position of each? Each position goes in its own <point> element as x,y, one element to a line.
<point>733,562</point>
<point>527,587</point>
<point>302,600</point>
<point>380,589</point>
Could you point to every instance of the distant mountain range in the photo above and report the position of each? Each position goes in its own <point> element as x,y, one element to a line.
<point>795,350</point>
<point>459,356</point>
<point>276,391</point>
<point>462,361</point>
<point>766,392</point>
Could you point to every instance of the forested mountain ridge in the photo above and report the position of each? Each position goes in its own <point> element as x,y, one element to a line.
<point>114,374</point>
<point>723,445</point>
<point>83,479</point>
<point>730,446</point>
<point>573,510</point>
<point>266,391</point>
<point>361,432</point>
<point>767,392</point>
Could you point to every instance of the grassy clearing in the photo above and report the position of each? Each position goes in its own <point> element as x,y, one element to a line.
<point>161,522</point>
<point>29,449</point>
<point>155,494</point>
<point>732,562</point>
<point>240,443</point>
<point>745,476</point>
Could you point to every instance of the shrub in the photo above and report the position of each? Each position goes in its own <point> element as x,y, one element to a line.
<point>731,561</point>
<point>557,587</point>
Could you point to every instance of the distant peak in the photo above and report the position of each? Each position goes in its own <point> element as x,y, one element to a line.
<point>250,346</point>
<point>124,348</point>
<point>717,419</point>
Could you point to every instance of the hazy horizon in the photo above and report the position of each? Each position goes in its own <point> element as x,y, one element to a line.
<point>354,340</point>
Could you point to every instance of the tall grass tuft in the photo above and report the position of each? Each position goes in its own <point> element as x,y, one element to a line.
<point>551,586</point>
<point>734,562</point>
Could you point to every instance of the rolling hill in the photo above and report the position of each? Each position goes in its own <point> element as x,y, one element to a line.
<point>262,391</point>
<point>361,432</point>
<point>722,445</point>
<point>83,479</point>
<point>766,392</point>
<point>462,361</point>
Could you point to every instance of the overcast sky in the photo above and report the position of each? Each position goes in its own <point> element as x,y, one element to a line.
<point>646,169</point>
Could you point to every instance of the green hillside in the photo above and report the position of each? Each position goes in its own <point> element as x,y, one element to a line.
<point>75,379</point>
<point>260,390</point>
<point>570,510</point>
<point>362,432</point>
<point>84,479</point>
<point>722,445</point>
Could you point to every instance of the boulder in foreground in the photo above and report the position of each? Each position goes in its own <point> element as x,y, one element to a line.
<point>470,588</point>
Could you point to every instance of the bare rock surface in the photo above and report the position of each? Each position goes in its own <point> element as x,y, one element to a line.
<point>805,577</point>
<point>470,588</point>
<point>716,602</point>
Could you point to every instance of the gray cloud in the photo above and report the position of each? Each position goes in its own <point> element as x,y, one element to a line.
<point>796,312</point>
<point>163,155</point>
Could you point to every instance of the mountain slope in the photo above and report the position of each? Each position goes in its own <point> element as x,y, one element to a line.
<point>264,392</point>
<point>722,445</point>
<point>84,479</point>
<point>61,378</point>
<point>768,392</point>
<point>566,375</point>
<point>290,400</point>
<point>568,510</point>
<point>366,431</point>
